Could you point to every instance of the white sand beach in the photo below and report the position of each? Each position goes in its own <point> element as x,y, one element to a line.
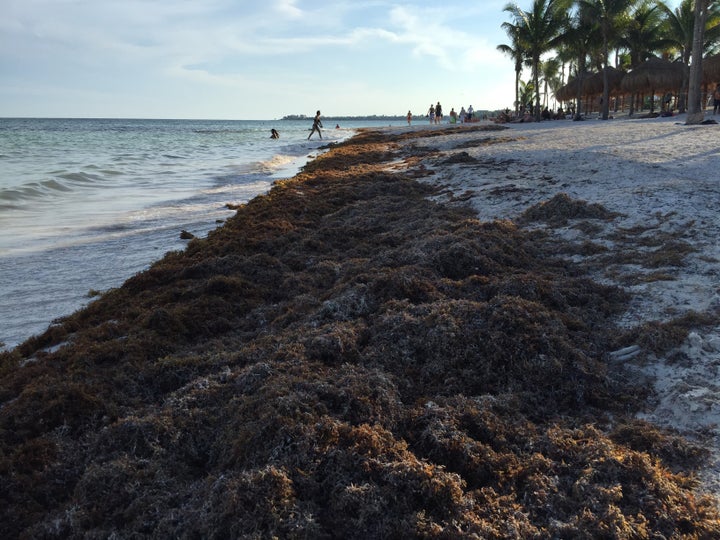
<point>663,178</point>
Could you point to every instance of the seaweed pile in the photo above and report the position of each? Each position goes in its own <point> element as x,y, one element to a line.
<point>344,358</point>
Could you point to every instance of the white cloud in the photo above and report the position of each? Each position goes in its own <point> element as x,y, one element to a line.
<point>287,8</point>
<point>433,35</point>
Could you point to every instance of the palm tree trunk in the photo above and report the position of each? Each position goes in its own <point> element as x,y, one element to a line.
<point>695,110</point>
<point>652,101</point>
<point>606,82</point>
<point>536,83</point>
<point>578,96</point>
<point>682,100</point>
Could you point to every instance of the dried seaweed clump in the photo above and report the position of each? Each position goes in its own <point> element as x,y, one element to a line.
<point>561,208</point>
<point>662,337</point>
<point>459,157</point>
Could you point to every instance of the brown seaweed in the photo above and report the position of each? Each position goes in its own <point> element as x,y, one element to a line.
<point>342,359</point>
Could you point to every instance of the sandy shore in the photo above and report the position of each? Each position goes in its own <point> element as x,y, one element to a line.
<point>430,332</point>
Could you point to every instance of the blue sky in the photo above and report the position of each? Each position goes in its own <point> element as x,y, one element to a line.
<point>250,59</point>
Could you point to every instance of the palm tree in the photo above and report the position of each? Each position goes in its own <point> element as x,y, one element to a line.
<point>712,28</point>
<point>515,51</point>
<point>538,29</point>
<point>610,15</point>
<point>566,57</point>
<point>550,69</point>
<point>643,36</point>
<point>577,38</point>
<point>679,29</point>
<point>711,33</point>
<point>527,90</point>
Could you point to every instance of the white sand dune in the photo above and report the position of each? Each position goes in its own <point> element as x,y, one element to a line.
<point>663,177</point>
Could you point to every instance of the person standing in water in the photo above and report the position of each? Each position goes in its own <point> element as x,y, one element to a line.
<point>274,134</point>
<point>409,118</point>
<point>317,124</point>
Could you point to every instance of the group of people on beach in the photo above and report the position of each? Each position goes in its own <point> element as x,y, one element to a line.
<point>466,116</point>
<point>435,114</point>
<point>526,115</point>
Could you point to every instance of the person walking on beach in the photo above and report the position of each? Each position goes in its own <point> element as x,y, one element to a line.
<point>317,124</point>
<point>409,118</point>
<point>431,113</point>
<point>438,113</point>
<point>716,99</point>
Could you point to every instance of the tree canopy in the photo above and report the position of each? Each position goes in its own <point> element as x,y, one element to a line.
<point>593,36</point>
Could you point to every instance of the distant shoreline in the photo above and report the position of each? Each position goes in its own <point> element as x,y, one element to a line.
<point>343,118</point>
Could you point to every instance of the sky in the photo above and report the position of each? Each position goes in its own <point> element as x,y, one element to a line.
<point>251,59</point>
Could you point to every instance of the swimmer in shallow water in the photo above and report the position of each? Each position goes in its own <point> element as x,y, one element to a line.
<point>274,134</point>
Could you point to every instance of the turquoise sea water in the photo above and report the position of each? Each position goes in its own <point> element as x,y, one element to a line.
<point>87,203</point>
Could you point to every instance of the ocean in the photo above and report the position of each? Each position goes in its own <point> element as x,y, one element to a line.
<point>87,203</point>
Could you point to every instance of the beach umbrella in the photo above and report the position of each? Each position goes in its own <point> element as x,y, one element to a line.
<point>654,75</point>
<point>615,78</point>
<point>593,85</point>
<point>711,69</point>
<point>568,91</point>
<point>634,82</point>
<point>589,87</point>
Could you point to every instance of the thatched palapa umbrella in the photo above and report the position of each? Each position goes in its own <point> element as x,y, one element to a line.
<point>654,75</point>
<point>568,91</point>
<point>593,85</point>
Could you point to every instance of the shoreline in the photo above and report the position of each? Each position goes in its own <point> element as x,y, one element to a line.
<point>418,334</point>
<point>108,219</point>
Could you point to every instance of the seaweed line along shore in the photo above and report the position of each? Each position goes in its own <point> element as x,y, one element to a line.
<point>460,331</point>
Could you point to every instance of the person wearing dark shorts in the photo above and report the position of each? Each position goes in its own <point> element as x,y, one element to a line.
<point>317,124</point>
